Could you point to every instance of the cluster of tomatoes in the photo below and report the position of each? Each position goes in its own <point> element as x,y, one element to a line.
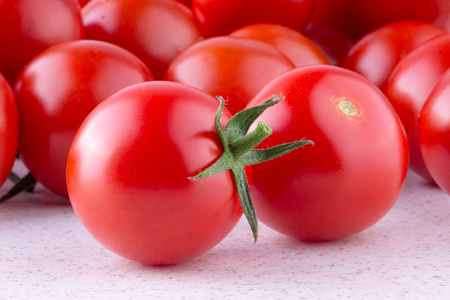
<point>112,103</point>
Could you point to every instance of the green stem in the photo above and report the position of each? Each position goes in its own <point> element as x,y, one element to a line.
<point>239,152</point>
<point>246,143</point>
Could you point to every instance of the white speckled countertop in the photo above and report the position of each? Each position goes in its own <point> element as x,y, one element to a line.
<point>45,253</point>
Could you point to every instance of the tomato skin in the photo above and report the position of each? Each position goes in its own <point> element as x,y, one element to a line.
<point>297,47</point>
<point>409,86</point>
<point>231,67</point>
<point>434,129</point>
<point>220,17</point>
<point>353,174</point>
<point>356,18</point>
<point>376,54</point>
<point>83,2</point>
<point>188,3</point>
<point>9,129</point>
<point>28,27</point>
<point>377,13</point>
<point>142,205</point>
<point>154,30</point>
<point>57,90</point>
<point>332,42</point>
<point>335,15</point>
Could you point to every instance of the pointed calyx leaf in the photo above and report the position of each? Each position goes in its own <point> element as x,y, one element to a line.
<point>240,123</point>
<point>239,151</point>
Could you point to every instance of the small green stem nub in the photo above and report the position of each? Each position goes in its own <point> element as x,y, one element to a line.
<point>239,151</point>
<point>246,143</point>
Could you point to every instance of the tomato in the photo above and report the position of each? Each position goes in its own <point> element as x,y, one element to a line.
<point>409,86</point>
<point>27,27</point>
<point>154,30</point>
<point>220,17</point>
<point>434,132</point>
<point>355,171</point>
<point>57,90</point>
<point>128,169</point>
<point>376,54</point>
<point>231,67</point>
<point>9,129</point>
<point>297,47</point>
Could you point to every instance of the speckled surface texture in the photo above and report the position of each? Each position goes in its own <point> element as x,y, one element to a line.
<point>45,253</point>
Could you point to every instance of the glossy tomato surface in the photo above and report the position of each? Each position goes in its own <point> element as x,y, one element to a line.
<point>27,27</point>
<point>9,129</point>
<point>355,171</point>
<point>434,132</point>
<point>57,90</point>
<point>297,47</point>
<point>139,147</point>
<point>231,67</point>
<point>154,30</point>
<point>409,86</point>
<point>376,54</point>
<point>220,17</point>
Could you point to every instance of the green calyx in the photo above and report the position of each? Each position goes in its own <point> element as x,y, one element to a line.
<point>239,151</point>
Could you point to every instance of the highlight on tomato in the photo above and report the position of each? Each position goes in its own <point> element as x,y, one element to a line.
<point>136,171</point>
<point>57,90</point>
<point>354,173</point>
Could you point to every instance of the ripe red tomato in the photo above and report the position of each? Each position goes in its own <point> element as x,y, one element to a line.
<point>220,17</point>
<point>297,47</point>
<point>27,27</point>
<point>376,54</point>
<point>353,174</point>
<point>434,132</point>
<point>231,67</point>
<point>9,129</point>
<point>57,90</point>
<point>154,30</point>
<point>139,147</point>
<point>409,86</point>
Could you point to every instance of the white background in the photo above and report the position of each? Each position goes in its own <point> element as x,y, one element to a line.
<point>45,253</point>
